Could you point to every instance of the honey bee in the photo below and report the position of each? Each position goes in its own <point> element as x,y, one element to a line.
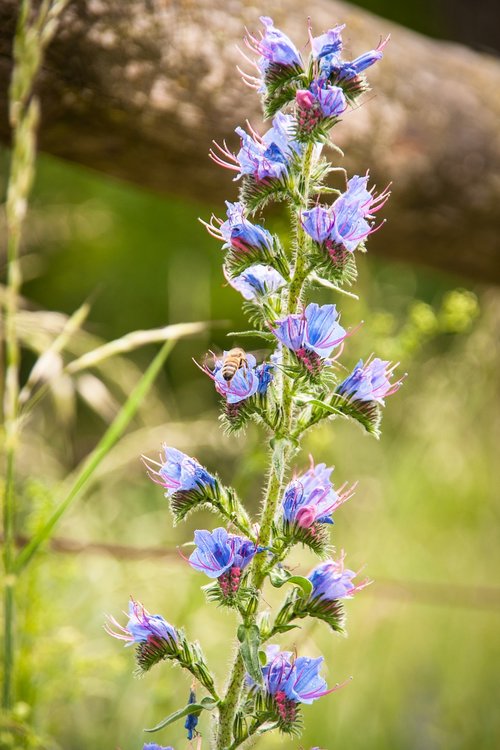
<point>232,362</point>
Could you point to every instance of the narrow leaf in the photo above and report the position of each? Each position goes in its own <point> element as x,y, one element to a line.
<point>90,464</point>
<point>249,637</point>
<point>279,578</point>
<point>206,704</point>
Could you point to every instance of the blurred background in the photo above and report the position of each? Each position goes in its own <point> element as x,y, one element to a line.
<point>423,646</point>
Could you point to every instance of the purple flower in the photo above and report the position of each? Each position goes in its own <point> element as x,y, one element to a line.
<point>329,43</point>
<point>318,223</point>
<point>316,330</point>
<point>310,498</point>
<point>265,373</point>
<point>319,102</point>
<point>257,281</point>
<point>243,384</point>
<point>178,472</point>
<point>291,682</point>
<point>370,381</point>
<point>345,223</point>
<point>191,719</point>
<point>333,67</point>
<point>248,379</point>
<point>332,581</point>
<point>218,552</point>
<point>142,627</point>
<point>238,233</point>
<point>274,47</point>
<point>263,158</point>
<point>154,746</point>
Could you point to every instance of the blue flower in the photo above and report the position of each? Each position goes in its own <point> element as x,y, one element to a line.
<point>191,719</point>
<point>257,281</point>
<point>329,43</point>
<point>265,373</point>
<point>319,102</point>
<point>370,381</point>
<point>178,472</point>
<point>318,223</point>
<point>332,581</point>
<point>331,99</point>
<point>142,627</point>
<point>316,330</point>
<point>218,552</point>
<point>345,223</point>
<point>246,382</point>
<point>292,681</point>
<point>263,158</point>
<point>331,66</point>
<point>310,498</point>
<point>275,48</point>
<point>154,746</point>
<point>238,233</point>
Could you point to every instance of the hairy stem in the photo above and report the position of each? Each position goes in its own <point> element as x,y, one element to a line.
<point>281,451</point>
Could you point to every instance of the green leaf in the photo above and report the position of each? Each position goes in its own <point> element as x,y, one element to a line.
<point>207,704</point>
<point>249,637</point>
<point>278,579</point>
<point>77,482</point>
<point>247,334</point>
<point>263,658</point>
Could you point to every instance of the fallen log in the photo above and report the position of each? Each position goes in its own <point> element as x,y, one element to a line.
<point>137,90</point>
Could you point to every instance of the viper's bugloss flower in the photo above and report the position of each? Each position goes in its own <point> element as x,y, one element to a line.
<point>329,43</point>
<point>370,381</point>
<point>248,379</point>
<point>265,373</point>
<point>191,719</point>
<point>318,223</point>
<point>257,281</point>
<point>274,47</point>
<point>332,581</point>
<point>238,233</point>
<point>327,49</point>
<point>316,329</point>
<point>290,681</point>
<point>266,157</point>
<point>310,497</point>
<point>177,472</point>
<point>320,102</point>
<point>345,223</point>
<point>154,746</point>
<point>142,627</point>
<point>217,552</point>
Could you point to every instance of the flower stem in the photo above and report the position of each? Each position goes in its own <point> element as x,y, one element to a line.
<point>281,451</point>
<point>227,709</point>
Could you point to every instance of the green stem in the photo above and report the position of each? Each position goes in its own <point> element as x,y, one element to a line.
<point>227,709</point>
<point>103,447</point>
<point>279,460</point>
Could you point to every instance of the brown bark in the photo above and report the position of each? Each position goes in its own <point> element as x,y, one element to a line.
<point>138,89</point>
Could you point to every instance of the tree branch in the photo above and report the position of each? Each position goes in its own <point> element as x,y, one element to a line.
<point>137,90</point>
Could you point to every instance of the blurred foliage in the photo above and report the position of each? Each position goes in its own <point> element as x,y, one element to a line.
<point>424,640</point>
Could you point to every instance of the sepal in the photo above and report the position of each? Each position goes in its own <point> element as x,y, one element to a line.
<point>298,606</point>
<point>217,498</point>
<point>315,537</point>
<point>185,653</point>
<point>240,599</point>
<point>281,84</point>
<point>367,413</point>
<point>256,194</point>
<point>334,263</point>
<point>237,261</point>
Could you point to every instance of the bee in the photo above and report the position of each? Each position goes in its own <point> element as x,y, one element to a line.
<point>232,362</point>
